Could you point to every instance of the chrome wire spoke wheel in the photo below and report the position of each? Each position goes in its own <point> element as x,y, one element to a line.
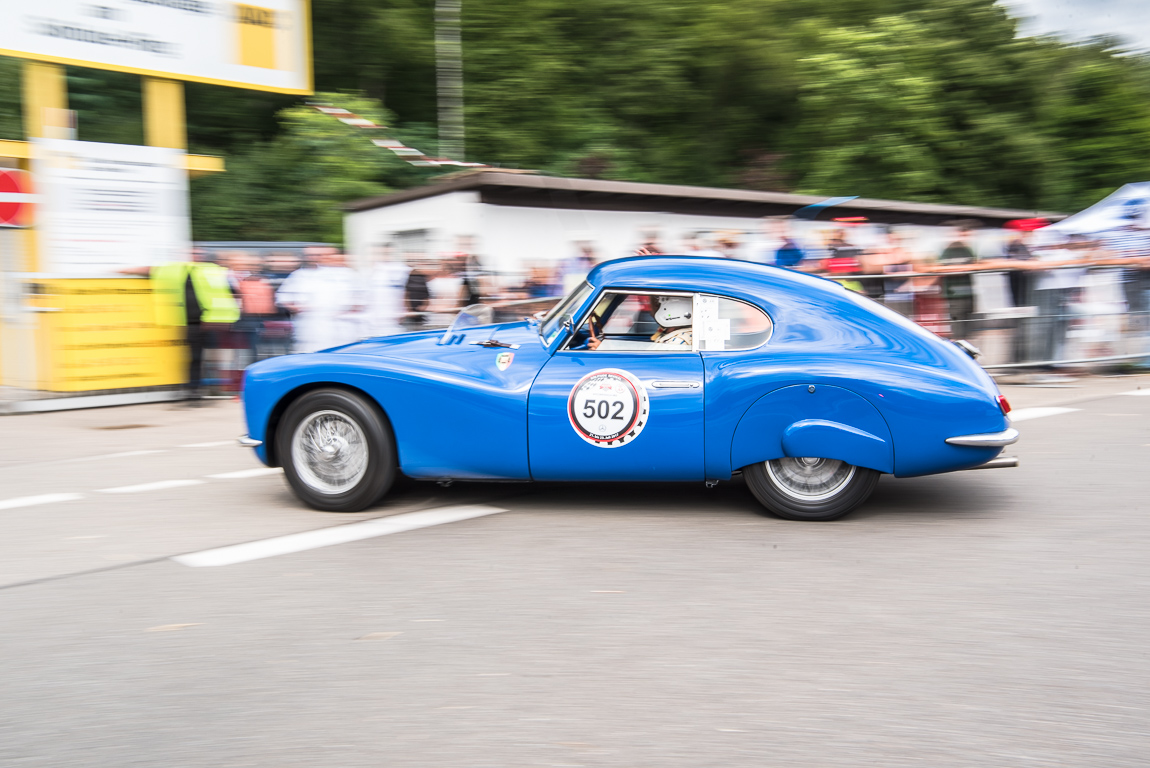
<point>810,479</point>
<point>330,452</point>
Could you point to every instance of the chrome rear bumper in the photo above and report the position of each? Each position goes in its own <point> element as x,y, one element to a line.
<point>991,440</point>
<point>1002,462</point>
<point>247,442</point>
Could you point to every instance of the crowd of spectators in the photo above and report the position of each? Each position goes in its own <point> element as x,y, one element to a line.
<point>1033,288</point>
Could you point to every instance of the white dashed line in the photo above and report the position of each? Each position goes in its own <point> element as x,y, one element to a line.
<point>258,472</point>
<point>1137,393</point>
<point>32,501</point>
<point>1026,414</point>
<point>158,486</point>
<point>326,537</point>
<point>124,455</point>
<point>216,444</point>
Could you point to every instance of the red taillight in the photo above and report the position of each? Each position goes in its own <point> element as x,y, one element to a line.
<point>1005,406</point>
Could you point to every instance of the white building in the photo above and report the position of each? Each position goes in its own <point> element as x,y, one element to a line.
<point>520,220</point>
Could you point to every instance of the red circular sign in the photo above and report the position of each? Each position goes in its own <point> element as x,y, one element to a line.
<point>15,198</point>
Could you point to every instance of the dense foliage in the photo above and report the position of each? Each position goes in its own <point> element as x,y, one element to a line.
<point>925,100</point>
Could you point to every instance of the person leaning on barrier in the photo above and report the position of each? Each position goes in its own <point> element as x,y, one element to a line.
<point>196,296</point>
<point>957,290</point>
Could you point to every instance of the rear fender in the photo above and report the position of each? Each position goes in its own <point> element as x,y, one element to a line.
<point>813,420</point>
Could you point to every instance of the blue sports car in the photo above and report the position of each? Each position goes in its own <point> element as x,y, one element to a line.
<point>662,368</point>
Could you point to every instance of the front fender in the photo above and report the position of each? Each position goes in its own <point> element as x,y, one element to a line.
<point>824,421</point>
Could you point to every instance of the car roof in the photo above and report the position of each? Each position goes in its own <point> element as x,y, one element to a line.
<point>702,273</point>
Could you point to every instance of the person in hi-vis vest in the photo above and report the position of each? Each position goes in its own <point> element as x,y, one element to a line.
<point>196,296</point>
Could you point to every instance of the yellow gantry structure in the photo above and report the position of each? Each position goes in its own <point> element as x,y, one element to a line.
<point>63,333</point>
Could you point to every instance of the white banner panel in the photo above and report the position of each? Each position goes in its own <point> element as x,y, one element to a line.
<point>265,45</point>
<point>103,207</point>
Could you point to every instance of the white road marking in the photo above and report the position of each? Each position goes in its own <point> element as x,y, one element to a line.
<point>326,537</point>
<point>172,627</point>
<point>157,486</point>
<point>1137,393</point>
<point>1026,414</point>
<point>258,472</point>
<point>31,501</point>
<point>123,455</point>
<point>216,444</point>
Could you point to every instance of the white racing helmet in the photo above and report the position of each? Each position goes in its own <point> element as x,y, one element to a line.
<point>673,311</point>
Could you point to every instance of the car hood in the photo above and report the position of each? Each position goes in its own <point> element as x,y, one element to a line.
<point>427,345</point>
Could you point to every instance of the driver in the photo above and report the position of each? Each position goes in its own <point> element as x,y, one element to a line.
<point>673,314</point>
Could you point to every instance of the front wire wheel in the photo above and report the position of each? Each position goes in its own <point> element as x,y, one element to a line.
<point>337,450</point>
<point>330,452</point>
<point>810,488</point>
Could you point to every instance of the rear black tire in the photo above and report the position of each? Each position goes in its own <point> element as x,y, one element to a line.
<point>814,490</point>
<point>337,450</point>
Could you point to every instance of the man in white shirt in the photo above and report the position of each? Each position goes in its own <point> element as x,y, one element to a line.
<point>326,303</point>
<point>386,282</point>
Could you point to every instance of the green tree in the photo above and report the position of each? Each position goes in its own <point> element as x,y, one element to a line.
<point>936,100</point>
<point>293,186</point>
<point>1097,114</point>
<point>872,115</point>
<point>931,105</point>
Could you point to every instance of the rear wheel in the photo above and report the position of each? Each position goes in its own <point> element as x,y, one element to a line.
<point>337,450</point>
<point>810,488</point>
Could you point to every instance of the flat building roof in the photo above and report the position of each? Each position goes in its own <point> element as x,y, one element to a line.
<point>502,187</point>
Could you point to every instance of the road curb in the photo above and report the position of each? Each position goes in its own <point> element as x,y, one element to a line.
<point>47,405</point>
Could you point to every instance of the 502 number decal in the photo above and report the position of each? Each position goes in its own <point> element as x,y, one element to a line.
<point>608,408</point>
<point>603,411</point>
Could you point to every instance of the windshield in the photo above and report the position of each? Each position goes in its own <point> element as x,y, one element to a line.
<point>553,323</point>
<point>470,316</point>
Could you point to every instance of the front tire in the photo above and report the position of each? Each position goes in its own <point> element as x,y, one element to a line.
<point>810,489</point>
<point>337,450</point>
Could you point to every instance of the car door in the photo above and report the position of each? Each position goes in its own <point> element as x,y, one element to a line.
<point>617,415</point>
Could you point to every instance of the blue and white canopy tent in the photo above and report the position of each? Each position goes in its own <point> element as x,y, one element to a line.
<point>1127,205</point>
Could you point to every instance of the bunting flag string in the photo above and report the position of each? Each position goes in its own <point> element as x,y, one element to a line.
<point>406,153</point>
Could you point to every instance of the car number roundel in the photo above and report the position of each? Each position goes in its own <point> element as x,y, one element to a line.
<point>608,408</point>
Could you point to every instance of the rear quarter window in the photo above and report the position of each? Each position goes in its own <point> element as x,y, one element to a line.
<point>726,325</point>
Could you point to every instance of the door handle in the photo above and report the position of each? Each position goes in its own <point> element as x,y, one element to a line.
<point>663,384</point>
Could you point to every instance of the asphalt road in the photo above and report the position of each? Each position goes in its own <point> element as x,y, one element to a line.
<point>994,618</point>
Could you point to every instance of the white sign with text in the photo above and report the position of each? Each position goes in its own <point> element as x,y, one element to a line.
<point>104,207</point>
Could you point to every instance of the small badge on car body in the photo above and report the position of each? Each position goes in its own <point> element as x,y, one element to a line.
<point>608,408</point>
<point>503,360</point>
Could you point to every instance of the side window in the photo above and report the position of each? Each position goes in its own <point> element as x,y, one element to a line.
<point>626,315</point>
<point>638,322</point>
<point>723,324</point>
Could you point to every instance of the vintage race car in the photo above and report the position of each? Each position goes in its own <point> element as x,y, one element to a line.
<point>663,368</point>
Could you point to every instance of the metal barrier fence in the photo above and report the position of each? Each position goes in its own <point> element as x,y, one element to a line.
<point>1062,316</point>
<point>1020,320</point>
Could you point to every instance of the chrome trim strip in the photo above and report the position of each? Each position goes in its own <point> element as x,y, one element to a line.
<point>991,440</point>
<point>676,384</point>
<point>247,442</point>
<point>1002,462</point>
